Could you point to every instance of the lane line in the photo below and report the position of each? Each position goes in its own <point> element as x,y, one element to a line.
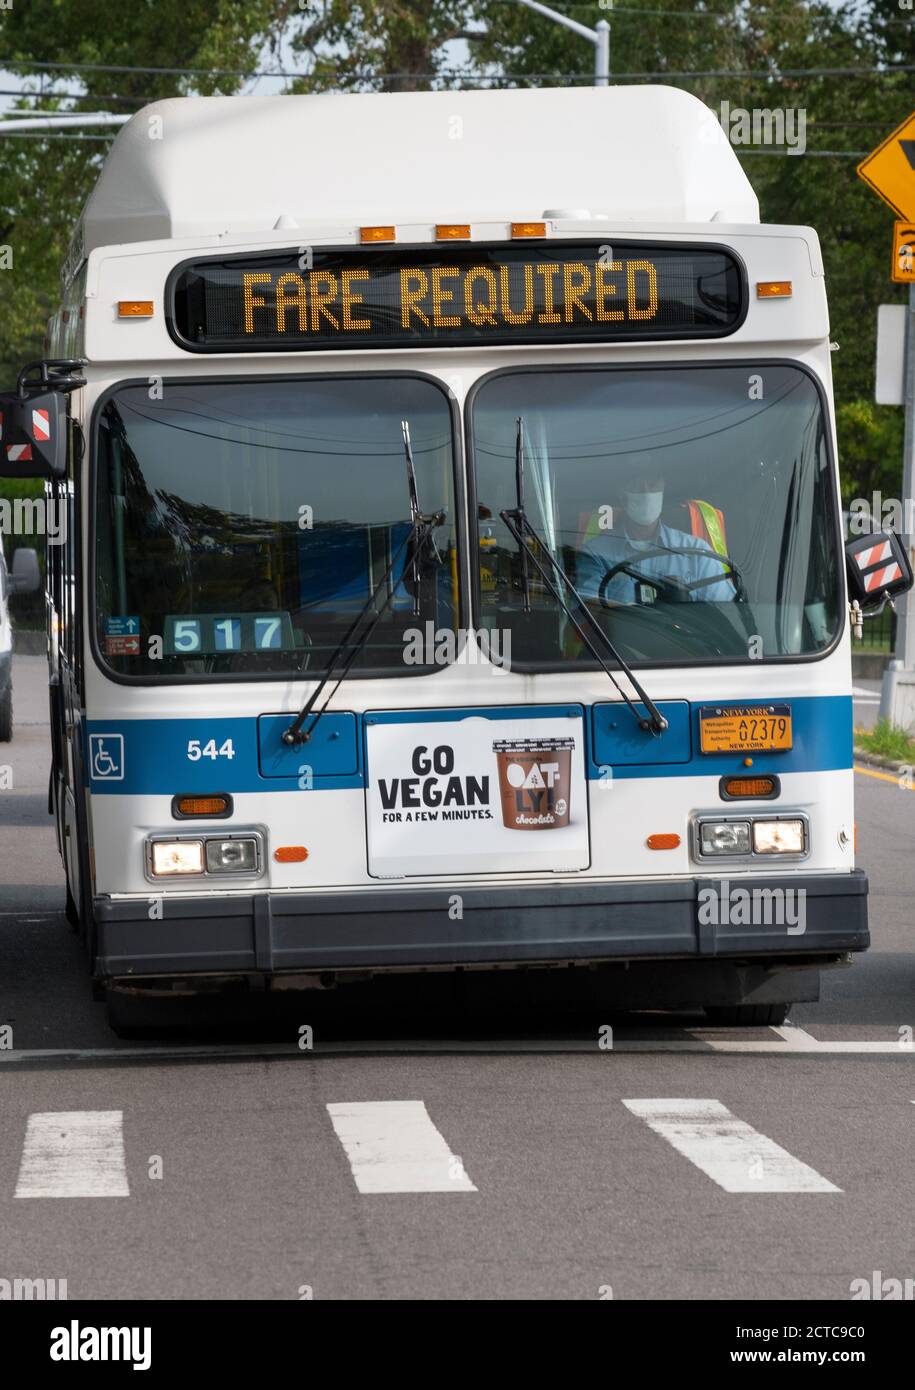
<point>729,1151</point>
<point>701,1044</point>
<point>791,1033</point>
<point>74,1153</point>
<point>393,1146</point>
<point>798,1039</point>
<point>883,777</point>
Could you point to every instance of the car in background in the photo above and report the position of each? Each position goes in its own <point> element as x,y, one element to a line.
<point>24,578</point>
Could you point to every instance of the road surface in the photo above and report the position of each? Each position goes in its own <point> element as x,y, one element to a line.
<point>451,1152</point>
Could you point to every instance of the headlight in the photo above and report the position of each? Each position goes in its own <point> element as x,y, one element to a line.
<point>724,837</point>
<point>778,837</point>
<point>232,856</point>
<point>171,857</point>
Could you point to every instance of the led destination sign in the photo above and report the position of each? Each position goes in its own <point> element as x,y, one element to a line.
<point>407,297</point>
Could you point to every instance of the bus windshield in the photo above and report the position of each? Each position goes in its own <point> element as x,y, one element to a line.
<point>691,508</point>
<point>241,527</point>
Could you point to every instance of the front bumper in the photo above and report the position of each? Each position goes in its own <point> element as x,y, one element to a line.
<point>505,924</point>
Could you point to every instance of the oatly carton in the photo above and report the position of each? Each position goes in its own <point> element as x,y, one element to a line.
<point>535,780</point>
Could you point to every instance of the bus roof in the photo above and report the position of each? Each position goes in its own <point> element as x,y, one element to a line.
<point>205,166</point>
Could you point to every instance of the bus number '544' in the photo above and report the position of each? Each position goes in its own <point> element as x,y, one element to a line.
<point>209,750</point>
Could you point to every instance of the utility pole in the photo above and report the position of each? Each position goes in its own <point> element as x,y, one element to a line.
<point>599,36</point>
<point>897,695</point>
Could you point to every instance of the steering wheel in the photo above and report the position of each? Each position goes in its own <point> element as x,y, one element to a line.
<point>672,588</point>
<point>677,588</point>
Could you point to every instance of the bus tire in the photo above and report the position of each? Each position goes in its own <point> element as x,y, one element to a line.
<point>6,715</point>
<point>747,1015</point>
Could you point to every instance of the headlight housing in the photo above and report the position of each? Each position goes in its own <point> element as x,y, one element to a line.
<point>171,858</point>
<point>783,836</point>
<point>724,837</point>
<point>205,856</point>
<point>749,837</point>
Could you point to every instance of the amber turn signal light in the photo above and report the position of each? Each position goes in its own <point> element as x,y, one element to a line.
<point>290,854</point>
<point>740,788</point>
<point>135,308</point>
<point>452,231</point>
<point>773,289</point>
<point>201,806</point>
<point>663,841</point>
<point>377,234</point>
<point>523,229</point>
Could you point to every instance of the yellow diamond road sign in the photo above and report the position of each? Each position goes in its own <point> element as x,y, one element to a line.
<point>890,170</point>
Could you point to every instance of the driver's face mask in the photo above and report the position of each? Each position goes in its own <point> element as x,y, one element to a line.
<point>644,508</point>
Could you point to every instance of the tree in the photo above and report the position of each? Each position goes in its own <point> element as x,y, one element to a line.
<point>45,181</point>
<point>379,45</point>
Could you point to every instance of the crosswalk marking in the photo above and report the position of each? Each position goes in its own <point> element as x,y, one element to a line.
<point>74,1153</point>
<point>393,1146</point>
<point>730,1152</point>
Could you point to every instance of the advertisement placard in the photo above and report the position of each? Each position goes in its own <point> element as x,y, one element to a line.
<point>465,792</point>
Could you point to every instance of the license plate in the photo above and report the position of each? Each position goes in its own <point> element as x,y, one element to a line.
<point>745,729</point>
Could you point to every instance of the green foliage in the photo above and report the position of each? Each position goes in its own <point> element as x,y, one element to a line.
<point>887,740</point>
<point>45,182</point>
<point>871,448</point>
<point>381,45</point>
<point>410,44</point>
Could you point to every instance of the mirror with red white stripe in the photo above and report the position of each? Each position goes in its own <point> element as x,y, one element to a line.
<point>878,568</point>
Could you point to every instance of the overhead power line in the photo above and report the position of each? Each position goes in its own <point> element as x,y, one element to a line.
<point>50,135</point>
<point>884,71</point>
<point>72,96</point>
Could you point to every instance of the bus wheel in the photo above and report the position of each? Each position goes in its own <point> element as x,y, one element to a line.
<point>6,715</point>
<point>747,1015</point>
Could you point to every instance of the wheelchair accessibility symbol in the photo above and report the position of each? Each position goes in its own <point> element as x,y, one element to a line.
<point>106,757</point>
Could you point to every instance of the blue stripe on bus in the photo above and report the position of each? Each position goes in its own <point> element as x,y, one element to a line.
<point>149,757</point>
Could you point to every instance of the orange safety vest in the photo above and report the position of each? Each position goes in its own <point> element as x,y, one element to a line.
<point>706,523</point>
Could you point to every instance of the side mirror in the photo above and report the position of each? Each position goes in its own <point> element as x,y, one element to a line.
<point>33,435</point>
<point>878,568</point>
<point>25,576</point>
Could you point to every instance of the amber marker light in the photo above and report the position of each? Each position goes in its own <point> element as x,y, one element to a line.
<point>663,841</point>
<point>773,289</point>
<point>290,854</point>
<point>452,231</point>
<point>523,229</point>
<point>738,787</point>
<point>135,308</point>
<point>377,233</point>
<point>201,806</point>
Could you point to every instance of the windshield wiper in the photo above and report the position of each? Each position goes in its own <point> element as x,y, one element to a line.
<point>419,544</point>
<point>516,519</point>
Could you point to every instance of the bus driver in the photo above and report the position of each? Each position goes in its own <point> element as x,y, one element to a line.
<point>649,550</point>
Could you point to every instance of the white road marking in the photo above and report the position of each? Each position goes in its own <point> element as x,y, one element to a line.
<point>729,1151</point>
<point>393,1146</point>
<point>796,1035</point>
<point>74,1153</point>
<point>697,1041</point>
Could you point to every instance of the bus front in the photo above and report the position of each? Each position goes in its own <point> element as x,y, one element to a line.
<point>467,595</point>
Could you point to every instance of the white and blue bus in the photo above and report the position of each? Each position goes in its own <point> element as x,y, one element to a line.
<point>455,573</point>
